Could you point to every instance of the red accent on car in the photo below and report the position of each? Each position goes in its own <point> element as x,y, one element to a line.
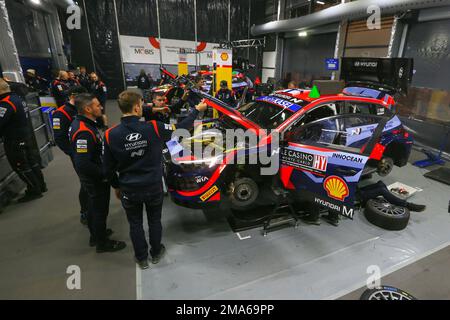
<point>377,152</point>
<point>232,114</point>
<point>285,175</point>
<point>215,197</point>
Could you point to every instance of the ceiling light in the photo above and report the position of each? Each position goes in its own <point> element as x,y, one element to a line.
<point>36,2</point>
<point>303,34</point>
<point>320,2</point>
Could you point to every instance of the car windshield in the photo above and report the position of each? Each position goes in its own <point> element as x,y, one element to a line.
<point>264,114</point>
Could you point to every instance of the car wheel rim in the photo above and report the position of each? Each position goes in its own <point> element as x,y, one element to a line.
<point>385,167</point>
<point>387,208</point>
<point>243,192</point>
<point>388,295</point>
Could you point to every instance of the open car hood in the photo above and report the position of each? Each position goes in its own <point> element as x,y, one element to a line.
<point>389,75</point>
<point>226,110</point>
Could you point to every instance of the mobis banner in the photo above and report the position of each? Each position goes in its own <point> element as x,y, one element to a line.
<point>146,50</point>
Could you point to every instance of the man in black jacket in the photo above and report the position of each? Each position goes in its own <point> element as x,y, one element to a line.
<point>143,82</point>
<point>86,143</point>
<point>225,94</point>
<point>17,135</point>
<point>157,110</point>
<point>134,150</point>
<point>62,119</point>
<point>98,89</point>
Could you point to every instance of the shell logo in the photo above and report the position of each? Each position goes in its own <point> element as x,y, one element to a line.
<point>224,56</point>
<point>336,188</point>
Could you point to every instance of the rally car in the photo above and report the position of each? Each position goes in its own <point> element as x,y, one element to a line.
<point>327,142</point>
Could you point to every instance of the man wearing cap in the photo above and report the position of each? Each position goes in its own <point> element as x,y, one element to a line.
<point>225,94</point>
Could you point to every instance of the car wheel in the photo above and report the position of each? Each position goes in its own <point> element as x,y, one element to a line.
<point>386,215</point>
<point>244,193</point>
<point>386,293</point>
<point>385,166</point>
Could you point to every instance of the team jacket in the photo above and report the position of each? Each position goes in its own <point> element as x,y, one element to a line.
<point>13,117</point>
<point>62,119</point>
<point>83,79</point>
<point>36,83</point>
<point>148,115</point>
<point>134,150</point>
<point>73,82</point>
<point>143,82</point>
<point>98,89</point>
<point>86,149</point>
<point>227,96</point>
<point>58,89</point>
<point>192,100</point>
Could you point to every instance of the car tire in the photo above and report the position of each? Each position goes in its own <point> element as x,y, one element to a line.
<point>244,194</point>
<point>386,293</point>
<point>386,215</point>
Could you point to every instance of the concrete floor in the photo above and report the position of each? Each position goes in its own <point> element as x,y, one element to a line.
<point>207,260</point>
<point>41,239</point>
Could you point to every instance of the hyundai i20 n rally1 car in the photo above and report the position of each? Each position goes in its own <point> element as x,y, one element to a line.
<point>326,143</point>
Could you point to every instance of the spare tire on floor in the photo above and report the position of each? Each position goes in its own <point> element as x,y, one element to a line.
<point>386,215</point>
<point>386,293</point>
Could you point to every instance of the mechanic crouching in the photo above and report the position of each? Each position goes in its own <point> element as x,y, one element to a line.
<point>134,150</point>
<point>86,143</point>
<point>22,155</point>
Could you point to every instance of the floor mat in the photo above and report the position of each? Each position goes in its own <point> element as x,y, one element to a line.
<point>441,175</point>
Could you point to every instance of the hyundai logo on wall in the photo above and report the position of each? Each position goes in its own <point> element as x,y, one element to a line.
<point>133,137</point>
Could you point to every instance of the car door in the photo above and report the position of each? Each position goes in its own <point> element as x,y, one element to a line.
<point>321,159</point>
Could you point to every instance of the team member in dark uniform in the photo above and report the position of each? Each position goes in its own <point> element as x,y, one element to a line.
<point>188,97</point>
<point>17,136</point>
<point>225,94</point>
<point>134,150</point>
<point>143,82</point>
<point>98,89</point>
<point>72,81</point>
<point>59,88</point>
<point>35,82</point>
<point>62,119</point>
<point>83,78</point>
<point>86,143</point>
<point>158,110</point>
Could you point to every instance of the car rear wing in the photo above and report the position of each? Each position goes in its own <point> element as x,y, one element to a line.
<point>389,75</point>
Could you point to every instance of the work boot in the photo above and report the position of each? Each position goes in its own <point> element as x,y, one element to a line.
<point>110,246</point>
<point>415,207</point>
<point>29,196</point>
<point>83,219</point>
<point>143,264</point>
<point>156,258</point>
<point>93,242</point>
